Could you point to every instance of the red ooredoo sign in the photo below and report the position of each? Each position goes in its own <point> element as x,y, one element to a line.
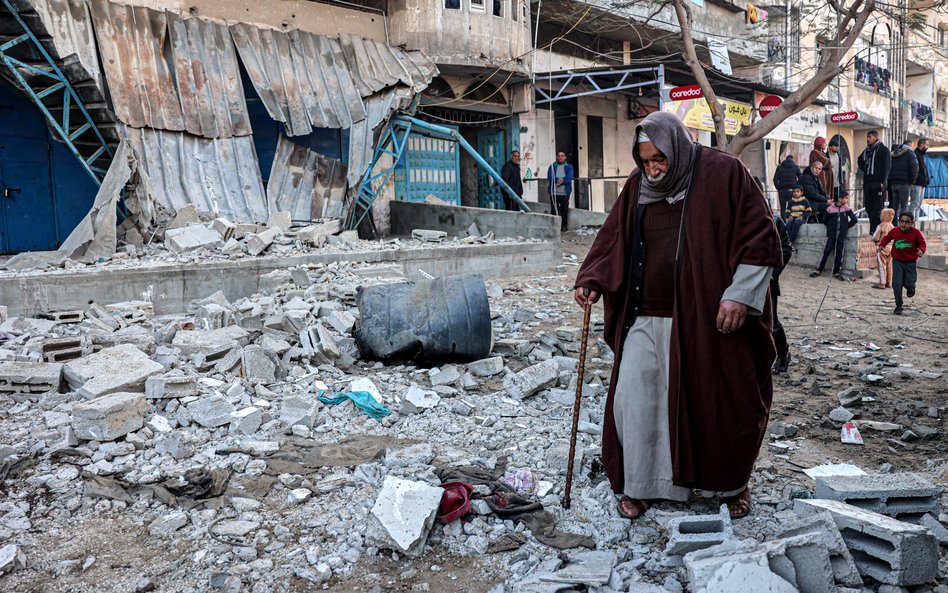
<point>683,93</point>
<point>768,104</point>
<point>844,117</point>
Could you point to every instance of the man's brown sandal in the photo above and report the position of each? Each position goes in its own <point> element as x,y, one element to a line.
<point>739,505</point>
<point>633,508</point>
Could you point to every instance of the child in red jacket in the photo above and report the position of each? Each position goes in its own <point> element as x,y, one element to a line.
<point>908,245</point>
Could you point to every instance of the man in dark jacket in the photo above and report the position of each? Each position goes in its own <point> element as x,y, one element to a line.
<point>921,182</point>
<point>510,173</point>
<point>786,177</point>
<point>874,162</point>
<point>902,175</point>
<point>813,190</point>
<point>780,337</point>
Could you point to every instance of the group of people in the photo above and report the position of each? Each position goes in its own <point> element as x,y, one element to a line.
<point>688,263</point>
<point>559,184</point>
<point>819,194</point>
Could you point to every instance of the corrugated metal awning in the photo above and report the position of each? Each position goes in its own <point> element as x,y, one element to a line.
<point>362,135</point>
<point>219,176</point>
<point>305,183</point>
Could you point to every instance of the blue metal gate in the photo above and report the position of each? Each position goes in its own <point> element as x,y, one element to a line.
<point>44,190</point>
<point>429,166</point>
<point>490,145</point>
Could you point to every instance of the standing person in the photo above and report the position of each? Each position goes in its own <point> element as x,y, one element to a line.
<point>874,162</point>
<point>839,168</point>
<point>884,256</point>
<point>560,176</point>
<point>813,190</point>
<point>684,262</point>
<point>782,365</point>
<point>839,219</point>
<point>786,177</point>
<point>510,173</point>
<point>797,214</point>
<point>922,181</point>
<point>908,245</point>
<point>902,175</point>
<point>818,155</point>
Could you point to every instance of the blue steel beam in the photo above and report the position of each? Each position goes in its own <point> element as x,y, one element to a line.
<point>61,83</point>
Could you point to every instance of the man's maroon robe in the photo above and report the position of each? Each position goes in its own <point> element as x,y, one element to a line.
<point>719,385</point>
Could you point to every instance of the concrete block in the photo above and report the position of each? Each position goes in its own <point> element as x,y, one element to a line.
<point>417,400</point>
<point>804,562</point>
<point>903,496</point>
<point>318,342</point>
<point>224,228</point>
<point>405,511</point>
<point>259,242</point>
<point>259,364</point>
<point>532,379</point>
<point>885,549</point>
<point>192,237</point>
<point>185,216</point>
<point>65,317</point>
<point>703,565</point>
<point>30,377</point>
<point>170,387</point>
<point>487,367</point>
<point>935,526</point>
<point>512,347</point>
<point>109,417</point>
<point>212,344</point>
<point>63,349</point>
<point>690,533</point>
<point>446,375</point>
<point>737,576</point>
<point>120,368</point>
<point>247,420</point>
<point>231,247</point>
<point>299,411</point>
<point>341,321</point>
<point>12,558</point>
<point>211,412</point>
<point>428,236</point>
<point>822,527</point>
<point>316,233</point>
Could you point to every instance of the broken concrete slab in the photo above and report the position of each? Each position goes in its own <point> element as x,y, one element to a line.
<point>223,227</point>
<point>109,417</point>
<point>170,387</point>
<point>428,236</point>
<point>213,343</point>
<point>119,368</point>
<point>903,496</point>
<point>487,367</point>
<point>592,568</point>
<point>417,400</point>
<point>19,326</point>
<point>822,527</point>
<point>247,421</point>
<point>192,237</point>
<point>259,242</point>
<point>166,525</point>
<point>885,549</point>
<point>404,513</point>
<point>282,220</point>
<point>300,411</point>
<point>738,576</point>
<point>211,412</point>
<point>317,234</point>
<point>184,216</point>
<point>532,379</point>
<point>341,321</point>
<point>691,533</point>
<point>12,558</point>
<point>259,364</point>
<point>30,377</point>
<point>446,375</point>
<point>936,527</point>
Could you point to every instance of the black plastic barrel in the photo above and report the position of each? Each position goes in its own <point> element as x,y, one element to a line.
<point>428,320</point>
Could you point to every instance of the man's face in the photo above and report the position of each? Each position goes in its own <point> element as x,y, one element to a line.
<point>515,157</point>
<point>561,157</point>
<point>905,223</point>
<point>923,146</point>
<point>834,148</point>
<point>871,139</point>
<point>844,201</point>
<point>654,162</point>
<point>798,193</point>
<point>816,168</point>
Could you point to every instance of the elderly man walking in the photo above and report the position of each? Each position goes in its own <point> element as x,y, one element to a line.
<point>684,262</point>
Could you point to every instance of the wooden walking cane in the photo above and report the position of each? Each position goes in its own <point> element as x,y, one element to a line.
<point>576,405</point>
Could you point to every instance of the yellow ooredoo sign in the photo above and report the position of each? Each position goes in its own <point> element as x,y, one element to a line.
<point>696,114</point>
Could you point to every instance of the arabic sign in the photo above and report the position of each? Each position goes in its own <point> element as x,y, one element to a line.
<point>696,114</point>
<point>683,93</point>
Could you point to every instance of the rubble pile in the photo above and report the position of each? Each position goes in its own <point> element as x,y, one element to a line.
<point>254,434</point>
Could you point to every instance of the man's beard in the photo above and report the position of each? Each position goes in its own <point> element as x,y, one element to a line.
<point>657,178</point>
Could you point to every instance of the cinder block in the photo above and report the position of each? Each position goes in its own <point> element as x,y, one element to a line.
<point>822,526</point>
<point>30,377</point>
<point>903,496</point>
<point>803,561</point>
<point>170,387</point>
<point>63,349</point>
<point>109,417</point>
<point>687,534</point>
<point>890,551</point>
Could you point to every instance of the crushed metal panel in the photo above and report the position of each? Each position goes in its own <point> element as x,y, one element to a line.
<point>208,78</point>
<point>218,176</point>
<point>379,108</point>
<point>376,65</point>
<point>69,23</point>
<point>133,42</point>
<point>305,183</point>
